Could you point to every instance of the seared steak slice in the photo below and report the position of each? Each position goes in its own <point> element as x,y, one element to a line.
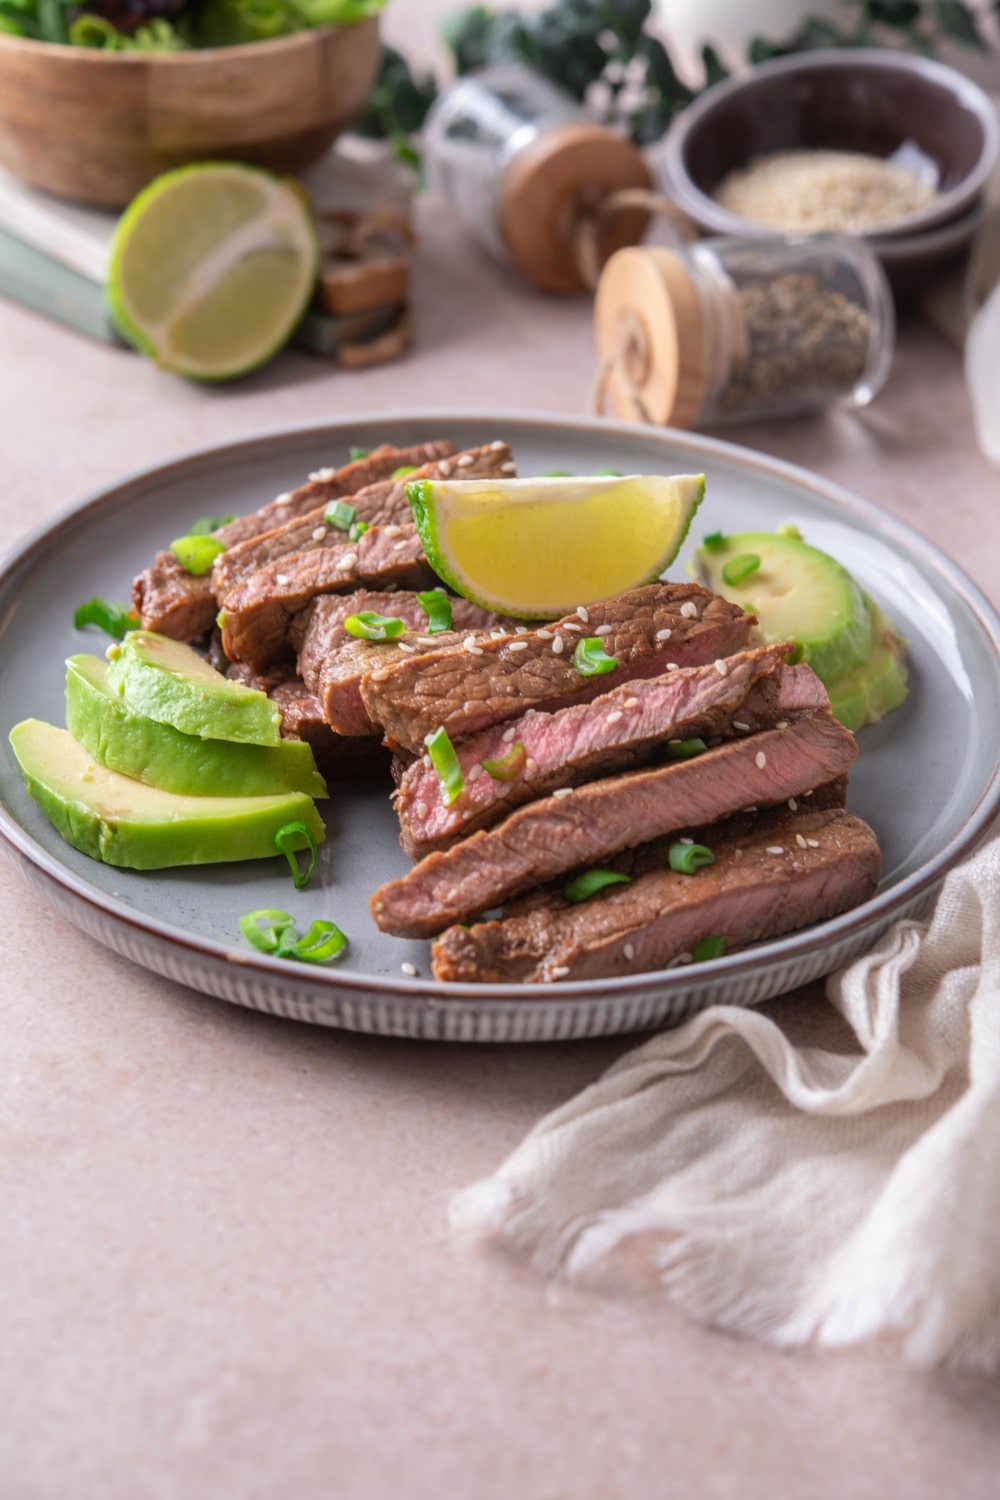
<point>338,758</point>
<point>790,871</point>
<point>183,606</point>
<point>320,635</point>
<point>627,727</point>
<point>575,828</point>
<point>383,503</point>
<point>256,619</point>
<point>467,690</point>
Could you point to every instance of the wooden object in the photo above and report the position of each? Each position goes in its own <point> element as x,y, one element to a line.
<point>97,126</point>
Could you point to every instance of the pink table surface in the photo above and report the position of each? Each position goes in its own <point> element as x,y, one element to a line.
<point>225,1265</point>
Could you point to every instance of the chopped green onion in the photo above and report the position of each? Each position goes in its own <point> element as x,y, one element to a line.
<point>740,567</point>
<point>403,470</point>
<point>684,749</point>
<point>273,931</point>
<point>266,937</point>
<point>590,658</point>
<point>339,514</point>
<point>287,840</point>
<point>591,881</point>
<point>709,947</point>
<point>445,762</point>
<point>437,608</point>
<point>557,474</point>
<point>356,530</point>
<point>357,454</point>
<point>610,473</point>
<point>196,554</point>
<point>686,858</point>
<point>713,541</point>
<point>789,529</point>
<point>206,524</point>
<point>369,626</point>
<point>512,764</point>
<point>116,619</point>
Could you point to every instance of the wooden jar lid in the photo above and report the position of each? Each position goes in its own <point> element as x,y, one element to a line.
<point>651,337</point>
<point>563,176</point>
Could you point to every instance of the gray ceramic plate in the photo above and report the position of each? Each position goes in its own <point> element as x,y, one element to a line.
<point>926,778</point>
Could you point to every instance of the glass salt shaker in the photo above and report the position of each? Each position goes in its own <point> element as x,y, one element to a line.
<point>521,165</point>
<point>733,330</point>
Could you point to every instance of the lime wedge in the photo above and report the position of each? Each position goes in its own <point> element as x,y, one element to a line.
<point>212,266</point>
<point>536,548</point>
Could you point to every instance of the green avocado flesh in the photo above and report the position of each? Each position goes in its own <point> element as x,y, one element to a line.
<point>120,821</point>
<point>163,757</point>
<point>878,685</point>
<point>170,683</point>
<point>798,594</point>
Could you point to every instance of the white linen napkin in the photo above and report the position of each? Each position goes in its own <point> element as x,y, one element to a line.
<point>788,1192</point>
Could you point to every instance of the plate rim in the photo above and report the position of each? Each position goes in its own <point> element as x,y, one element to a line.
<point>878,910</point>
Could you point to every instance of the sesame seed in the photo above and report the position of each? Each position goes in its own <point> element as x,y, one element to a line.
<point>582,611</point>
<point>664,634</point>
<point>444,468</point>
<point>281,579</point>
<point>564,791</point>
<point>813,843</point>
<point>801,841</point>
<point>410,969</point>
<point>426,640</point>
<point>739,724</point>
<point>613,717</point>
<point>810,792</point>
<point>322,474</point>
<point>378,906</point>
<point>464,461</point>
<point>464,816</point>
<point>544,635</point>
<point>474,772</point>
<point>518,646</point>
<point>760,760</point>
<point>398,546</point>
<point>452,894</point>
<point>474,650</point>
<point>429,736</point>
<point>631,703</point>
<point>683,958</point>
<point>629,952</point>
<point>673,742</point>
<point>529,711</point>
<point>530,764</point>
<point>721,667</point>
<point>793,806</point>
<point>426,762</point>
<point>497,635</point>
<point>775,849</point>
<point>508,468</point>
<point>568,625</point>
<point>750,809</point>
<point>470,640</point>
<point>520,630</point>
<point>421,809</point>
<point>319,533</point>
<point>603,630</point>
<point>689,609</point>
<point>380,674</point>
<point>558,644</point>
<point>497,445</point>
<point>283,498</point>
<point>347,562</point>
<point>685,841</point>
<point>508,735</point>
<point>672,666</point>
<point>781,724</point>
<point>560,971</point>
<point>392,530</point>
<point>403,646</point>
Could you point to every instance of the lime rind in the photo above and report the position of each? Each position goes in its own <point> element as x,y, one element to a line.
<point>690,491</point>
<point>131,328</point>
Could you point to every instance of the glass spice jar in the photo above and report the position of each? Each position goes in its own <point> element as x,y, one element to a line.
<point>734,330</point>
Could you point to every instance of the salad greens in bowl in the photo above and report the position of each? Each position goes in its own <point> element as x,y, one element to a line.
<point>174,25</point>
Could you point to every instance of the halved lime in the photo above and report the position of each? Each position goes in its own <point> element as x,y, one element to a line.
<point>536,548</point>
<point>212,266</point>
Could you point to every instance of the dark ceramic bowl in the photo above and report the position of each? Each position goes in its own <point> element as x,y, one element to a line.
<point>870,101</point>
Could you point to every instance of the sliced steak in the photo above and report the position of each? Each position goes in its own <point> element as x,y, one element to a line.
<point>626,727</point>
<point>792,870</point>
<point>256,619</point>
<point>575,828</point>
<point>468,690</point>
<point>181,605</point>
<point>383,503</point>
<point>338,758</point>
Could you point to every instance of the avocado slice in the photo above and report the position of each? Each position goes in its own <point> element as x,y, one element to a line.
<point>124,822</point>
<point>878,685</point>
<point>162,756</point>
<point>798,593</point>
<point>170,683</point>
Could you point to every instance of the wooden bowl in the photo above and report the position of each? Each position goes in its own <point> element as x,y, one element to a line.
<point>97,126</point>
